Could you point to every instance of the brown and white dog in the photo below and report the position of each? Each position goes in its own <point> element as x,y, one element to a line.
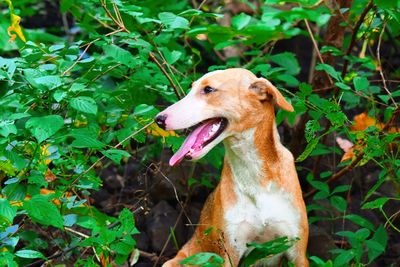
<point>259,196</point>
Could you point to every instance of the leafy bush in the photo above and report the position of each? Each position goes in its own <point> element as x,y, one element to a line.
<point>79,96</point>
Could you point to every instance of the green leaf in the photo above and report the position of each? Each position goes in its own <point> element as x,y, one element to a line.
<point>377,244</point>
<point>54,48</point>
<point>240,21</point>
<point>377,203</point>
<point>387,4</point>
<point>288,61</point>
<point>330,70</point>
<point>170,57</point>
<point>7,211</point>
<point>43,211</point>
<point>321,186</point>
<point>49,82</point>
<point>7,128</point>
<point>196,12</point>
<point>309,148</point>
<point>360,221</point>
<point>85,141</point>
<point>312,126</point>
<point>320,262</point>
<point>339,203</point>
<point>360,83</point>
<point>44,127</point>
<point>127,222</point>
<point>289,80</point>
<point>342,86</point>
<point>203,259</point>
<point>170,20</point>
<point>145,110</point>
<point>374,249</point>
<point>362,234</point>
<point>59,95</point>
<point>119,55</point>
<point>115,154</point>
<point>70,219</point>
<point>344,258</point>
<point>84,104</point>
<point>29,254</point>
<point>341,188</point>
<point>260,251</point>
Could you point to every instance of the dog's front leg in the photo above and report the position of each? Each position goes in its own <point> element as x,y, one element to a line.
<point>175,262</point>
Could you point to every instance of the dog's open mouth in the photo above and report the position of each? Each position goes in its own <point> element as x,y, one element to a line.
<point>203,134</point>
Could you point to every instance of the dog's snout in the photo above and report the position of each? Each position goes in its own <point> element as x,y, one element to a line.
<point>160,120</point>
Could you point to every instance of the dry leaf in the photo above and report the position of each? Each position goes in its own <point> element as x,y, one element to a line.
<point>50,176</point>
<point>104,260</point>
<point>363,121</point>
<point>347,147</point>
<point>344,144</point>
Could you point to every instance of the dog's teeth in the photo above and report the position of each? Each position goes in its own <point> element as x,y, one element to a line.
<point>214,127</point>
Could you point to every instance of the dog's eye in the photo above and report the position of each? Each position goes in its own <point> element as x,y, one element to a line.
<point>208,90</point>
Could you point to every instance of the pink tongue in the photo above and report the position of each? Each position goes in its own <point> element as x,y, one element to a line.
<point>194,140</point>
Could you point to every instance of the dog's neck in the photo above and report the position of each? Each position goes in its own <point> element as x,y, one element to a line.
<point>253,155</point>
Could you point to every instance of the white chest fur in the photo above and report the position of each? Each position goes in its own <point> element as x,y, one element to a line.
<point>260,213</point>
<point>262,217</point>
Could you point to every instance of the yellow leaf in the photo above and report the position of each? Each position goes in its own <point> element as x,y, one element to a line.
<point>15,25</point>
<point>7,168</point>
<point>16,203</point>
<point>45,153</point>
<point>153,129</point>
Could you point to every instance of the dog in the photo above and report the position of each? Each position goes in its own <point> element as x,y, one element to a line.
<point>259,197</point>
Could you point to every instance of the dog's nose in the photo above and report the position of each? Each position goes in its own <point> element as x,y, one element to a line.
<point>160,120</point>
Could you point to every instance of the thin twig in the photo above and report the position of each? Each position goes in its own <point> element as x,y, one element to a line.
<point>378,57</point>
<point>105,72</point>
<point>154,59</point>
<point>117,21</point>
<point>76,232</point>
<point>317,49</point>
<point>86,49</point>
<point>354,36</point>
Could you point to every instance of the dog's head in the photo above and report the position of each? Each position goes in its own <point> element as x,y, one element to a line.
<point>220,104</point>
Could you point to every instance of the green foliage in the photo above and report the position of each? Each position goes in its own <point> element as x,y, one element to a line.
<point>71,102</point>
<point>257,252</point>
<point>206,259</point>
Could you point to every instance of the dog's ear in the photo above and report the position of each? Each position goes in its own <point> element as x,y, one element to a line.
<point>265,91</point>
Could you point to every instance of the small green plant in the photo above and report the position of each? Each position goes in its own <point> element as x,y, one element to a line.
<point>259,252</point>
<point>255,253</point>
<point>205,259</point>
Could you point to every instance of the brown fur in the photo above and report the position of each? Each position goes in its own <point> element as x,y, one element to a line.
<point>250,102</point>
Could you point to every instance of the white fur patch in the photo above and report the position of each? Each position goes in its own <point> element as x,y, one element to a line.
<point>261,213</point>
<point>190,110</point>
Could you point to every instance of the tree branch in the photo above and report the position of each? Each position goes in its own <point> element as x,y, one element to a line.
<point>154,59</point>
<point>354,36</point>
